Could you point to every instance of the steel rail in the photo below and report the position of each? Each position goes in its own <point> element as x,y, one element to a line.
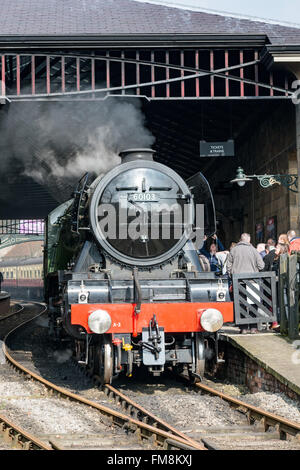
<point>11,314</point>
<point>12,433</point>
<point>144,414</point>
<point>284,426</point>
<point>20,438</point>
<point>162,438</point>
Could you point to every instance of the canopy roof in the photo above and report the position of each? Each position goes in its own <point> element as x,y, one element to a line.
<point>127,17</point>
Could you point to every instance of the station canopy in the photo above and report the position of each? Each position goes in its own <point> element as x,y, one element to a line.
<point>79,77</point>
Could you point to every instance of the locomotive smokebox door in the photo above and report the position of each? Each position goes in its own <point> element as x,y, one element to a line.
<point>153,347</point>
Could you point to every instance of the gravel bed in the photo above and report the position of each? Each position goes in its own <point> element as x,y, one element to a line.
<point>172,401</point>
<point>276,403</point>
<point>185,410</point>
<point>53,416</point>
<point>28,404</point>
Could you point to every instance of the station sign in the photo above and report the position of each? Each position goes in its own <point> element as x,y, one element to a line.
<point>217,149</point>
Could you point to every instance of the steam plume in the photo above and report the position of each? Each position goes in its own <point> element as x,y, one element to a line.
<point>56,143</point>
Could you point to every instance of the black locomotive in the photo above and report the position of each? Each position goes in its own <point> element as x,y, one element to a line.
<point>123,278</point>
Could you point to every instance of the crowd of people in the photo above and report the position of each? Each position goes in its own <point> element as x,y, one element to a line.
<point>243,257</point>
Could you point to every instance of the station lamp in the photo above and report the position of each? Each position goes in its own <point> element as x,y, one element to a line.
<point>241,179</point>
<point>288,181</point>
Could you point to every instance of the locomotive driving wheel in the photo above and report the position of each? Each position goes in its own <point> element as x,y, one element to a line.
<point>104,360</point>
<point>198,367</point>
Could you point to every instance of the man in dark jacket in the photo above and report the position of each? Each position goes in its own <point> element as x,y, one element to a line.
<point>269,258</point>
<point>244,258</point>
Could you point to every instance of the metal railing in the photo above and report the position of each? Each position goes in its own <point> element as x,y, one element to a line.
<point>22,227</point>
<point>255,299</point>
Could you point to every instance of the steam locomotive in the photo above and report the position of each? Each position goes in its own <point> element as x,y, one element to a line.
<point>123,278</point>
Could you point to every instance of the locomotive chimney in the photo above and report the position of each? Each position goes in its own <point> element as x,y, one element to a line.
<point>136,154</point>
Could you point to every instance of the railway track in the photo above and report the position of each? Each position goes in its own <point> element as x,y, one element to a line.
<point>277,426</point>
<point>142,414</point>
<point>15,310</point>
<point>12,434</point>
<point>261,429</point>
<point>148,427</point>
<point>158,433</point>
<point>10,319</point>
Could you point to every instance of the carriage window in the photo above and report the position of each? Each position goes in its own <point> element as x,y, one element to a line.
<point>11,275</point>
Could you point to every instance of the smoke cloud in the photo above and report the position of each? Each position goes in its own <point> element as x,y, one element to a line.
<point>56,143</point>
<point>62,356</point>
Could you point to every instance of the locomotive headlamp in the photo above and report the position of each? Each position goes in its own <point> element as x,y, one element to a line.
<point>211,320</point>
<point>99,321</point>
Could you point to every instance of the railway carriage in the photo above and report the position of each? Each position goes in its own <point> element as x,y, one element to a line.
<point>122,275</point>
<point>23,278</point>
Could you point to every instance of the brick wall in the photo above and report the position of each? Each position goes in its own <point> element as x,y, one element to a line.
<point>240,369</point>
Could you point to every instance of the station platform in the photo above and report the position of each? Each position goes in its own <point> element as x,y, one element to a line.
<point>4,302</point>
<point>278,356</point>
